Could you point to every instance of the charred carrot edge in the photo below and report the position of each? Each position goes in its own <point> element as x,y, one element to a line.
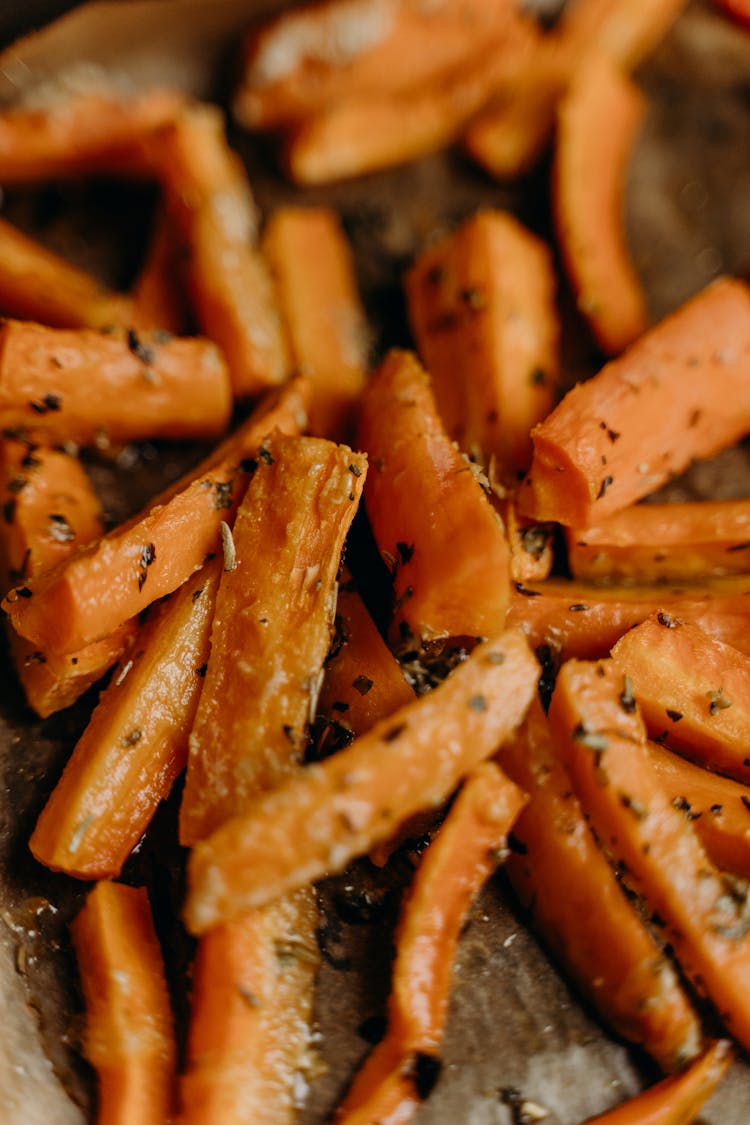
<point>316,288</point>
<point>456,865</point>
<point>482,309</point>
<point>157,299</point>
<point>448,550</point>
<point>531,543</point>
<point>693,691</point>
<point>129,1031</point>
<point>319,820</point>
<point>152,554</point>
<point>675,1100</point>
<point>599,734</point>
<point>135,744</point>
<point>618,436</point>
<point>251,1011</point>
<point>598,121</point>
<point>578,909</point>
<point>247,733</point>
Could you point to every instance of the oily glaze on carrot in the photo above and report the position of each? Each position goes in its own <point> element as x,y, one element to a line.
<point>577,907</point>
<point>445,543</point>
<point>482,309</point>
<point>679,393</point>
<point>94,388</point>
<point>129,1037</point>
<point>705,914</point>
<point>158,298</point>
<point>316,287</point>
<point>272,628</point>
<point>456,865</point>
<point>319,820</point>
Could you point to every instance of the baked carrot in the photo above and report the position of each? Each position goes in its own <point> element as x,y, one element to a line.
<point>599,118</point>
<point>675,1100</point>
<point>693,691</point>
<point>405,1065</point>
<point>158,299</point>
<point>577,907</point>
<point>482,310</point>
<point>678,393</point>
<point>317,821</point>
<point>531,543</point>
<point>272,628</point>
<point>445,543</point>
<point>211,206</point>
<point>316,288</point>
<point>129,1035</point>
<point>600,736</point>
<point>93,387</point>
<point>625,30</point>
<point>92,593</point>
<point>738,9</point>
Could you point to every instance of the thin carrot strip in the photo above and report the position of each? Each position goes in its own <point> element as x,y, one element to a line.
<point>677,394</point>
<point>158,300</point>
<point>317,821</point>
<point>129,1035</point>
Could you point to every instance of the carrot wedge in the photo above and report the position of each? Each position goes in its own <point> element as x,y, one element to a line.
<point>679,393</point>
<point>457,863</point>
<point>598,121</point>
<point>129,1035</point>
<point>675,1100</point>
<point>158,299</point>
<point>601,738</point>
<point>317,821</point>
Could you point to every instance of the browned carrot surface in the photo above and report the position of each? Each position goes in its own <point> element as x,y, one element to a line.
<point>129,1036</point>
<point>482,309</point>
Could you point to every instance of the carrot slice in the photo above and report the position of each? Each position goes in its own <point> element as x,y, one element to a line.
<point>94,388</point>
<point>675,1100</point>
<point>598,121</point>
<point>693,691</point>
<point>272,627</point>
<point>158,300</point>
<point>312,265</point>
<point>444,541</point>
<point>600,736</point>
<point>319,820</point>
<point>677,394</point>
<point>482,309</point>
<point>577,906</point>
<point>129,1035</point>
<point>404,1066</point>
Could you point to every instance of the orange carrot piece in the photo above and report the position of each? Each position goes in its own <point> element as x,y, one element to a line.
<point>600,736</point>
<point>531,544</point>
<point>320,819</point>
<point>316,287</point>
<point>444,541</point>
<point>158,300</point>
<point>693,691</point>
<point>679,393</point>
<point>135,744</point>
<point>129,1033</point>
<point>91,594</point>
<point>93,388</point>
<point>625,30</point>
<point>482,309</point>
<point>210,203</point>
<point>577,907</point>
<point>675,1100</point>
<point>457,863</point>
<point>272,627</point>
<point>598,121</point>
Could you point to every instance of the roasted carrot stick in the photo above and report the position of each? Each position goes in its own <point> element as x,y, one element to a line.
<point>598,121</point>
<point>676,1100</point>
<point>456,865</point>
<point>316,287</point>
<point>158,299</point>
<point>91,594</point>
<point>444,541</point>
<point>272,628</point>
<point>600,736</point>
<point>577,907</point>
<point>625,30</point>
<point>677,394</point>
<point>319,820</point>
<point>129,1035</point>
<point>482,309</point>
<point>93,387</point>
